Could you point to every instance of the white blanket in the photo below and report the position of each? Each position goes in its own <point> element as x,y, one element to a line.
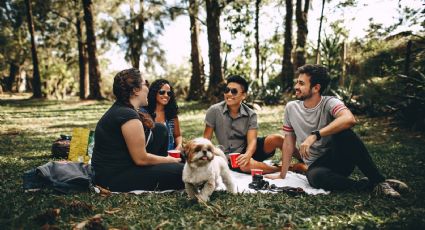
<point>292,180</point>
<point>242,180</point>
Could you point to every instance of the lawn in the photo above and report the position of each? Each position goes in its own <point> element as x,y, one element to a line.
<point>28,128</point>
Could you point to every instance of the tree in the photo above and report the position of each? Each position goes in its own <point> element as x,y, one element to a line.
<point>36,83</point>
<point>287,73</point>
<point>13,41</point>
<point>197,80</point>
<point>318,36</point>
<point>257,41</point>
<point>82,58</point>
<point>213,9</point>
<point>302,31</point>
<point>94,72</point>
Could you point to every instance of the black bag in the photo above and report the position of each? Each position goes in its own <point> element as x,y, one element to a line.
<point>60,147</point>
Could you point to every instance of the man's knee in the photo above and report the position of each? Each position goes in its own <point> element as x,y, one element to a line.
<point>318,177</point>
<point>273,142</point>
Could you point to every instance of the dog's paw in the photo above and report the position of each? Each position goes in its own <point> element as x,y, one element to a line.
<point>203,198</point>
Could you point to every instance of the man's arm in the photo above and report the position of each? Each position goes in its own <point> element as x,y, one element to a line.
<point>251,136</point>
<point>208,132</point>
<point>288,149</point>
<point>344,120</point>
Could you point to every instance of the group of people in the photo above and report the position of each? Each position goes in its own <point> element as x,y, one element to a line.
<point>133,136</point>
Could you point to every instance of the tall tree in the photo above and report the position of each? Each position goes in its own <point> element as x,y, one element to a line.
<point>82,59</point>
<point>94,72</point>
<point>197,80</point>
<point>257,41</point>
<point>134,33</point>
<point>287,74</point>
<point>318,36</point>
<point>13,40</point>
<point>302,31</point>
<point>213,9</point>
<point>36,83</point>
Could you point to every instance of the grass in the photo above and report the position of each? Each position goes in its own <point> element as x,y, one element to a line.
<point>28,128</point>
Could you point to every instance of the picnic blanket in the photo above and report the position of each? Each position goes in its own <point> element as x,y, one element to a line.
<point>242,180</point>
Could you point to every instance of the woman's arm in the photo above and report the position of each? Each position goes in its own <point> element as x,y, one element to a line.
<point>134,137</point>
<point>178,139</point>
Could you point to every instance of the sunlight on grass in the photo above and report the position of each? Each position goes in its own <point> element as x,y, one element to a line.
<point>28,128</point>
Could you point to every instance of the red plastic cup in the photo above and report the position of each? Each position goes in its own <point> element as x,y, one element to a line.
<point>256,172</point>
<point>174,153</point>
<point>233,157</point>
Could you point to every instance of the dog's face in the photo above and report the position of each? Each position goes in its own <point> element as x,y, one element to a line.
<point>200,151</point>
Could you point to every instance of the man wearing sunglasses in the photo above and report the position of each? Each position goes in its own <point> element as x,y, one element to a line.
<point>235,126</point>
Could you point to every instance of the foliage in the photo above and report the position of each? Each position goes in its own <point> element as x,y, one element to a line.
<point>25,145</point>
<point>178,76</point>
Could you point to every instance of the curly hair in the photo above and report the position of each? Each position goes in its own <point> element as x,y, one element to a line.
<point>171,109</point>
<point>125,82</point>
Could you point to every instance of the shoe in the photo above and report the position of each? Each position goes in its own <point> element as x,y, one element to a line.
<point>398,185</point>
<point>385,189</point>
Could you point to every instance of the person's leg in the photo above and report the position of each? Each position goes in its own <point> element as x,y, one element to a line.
<point>266,147</point>
<point>349,147</point>
<point>322,174</point>
<point>155,177</point>
<point>159,145</point>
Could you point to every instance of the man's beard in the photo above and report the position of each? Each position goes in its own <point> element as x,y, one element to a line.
<point>305,97</point>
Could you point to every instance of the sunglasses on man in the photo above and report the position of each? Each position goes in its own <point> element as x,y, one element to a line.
<point>162,92</point>
<point>233,91</point>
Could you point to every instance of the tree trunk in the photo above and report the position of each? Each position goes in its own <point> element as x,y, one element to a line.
<point>287,74</point>
<point>407,60</point>
<point>135,38</point>
<point>318,36</point>
<point>82,60</point>
<point>13,73</point>
<point>36,82</point>
<point>94,72</point>
<point>257,41</point>
<point>214,92</point>
<point>302,31</point>
<point>197,80</point>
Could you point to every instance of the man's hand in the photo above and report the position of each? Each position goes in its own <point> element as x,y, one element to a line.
<point>243,160</point>
<point>305,146</point>
<point>274,176</point>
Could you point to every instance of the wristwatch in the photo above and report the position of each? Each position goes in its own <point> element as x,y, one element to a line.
<point>317,133</point>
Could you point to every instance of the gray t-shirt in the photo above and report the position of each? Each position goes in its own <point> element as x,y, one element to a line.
<point>301,121</point>
<point>231,132</point>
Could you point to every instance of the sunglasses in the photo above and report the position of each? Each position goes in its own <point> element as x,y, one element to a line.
<point>162,92</point>
<point>233,91</point>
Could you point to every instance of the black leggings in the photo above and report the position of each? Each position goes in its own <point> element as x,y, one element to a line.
<point>154,177</point>
<point>331,171</point>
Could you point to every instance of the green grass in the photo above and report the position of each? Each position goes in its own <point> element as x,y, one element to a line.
<point>28,128</point>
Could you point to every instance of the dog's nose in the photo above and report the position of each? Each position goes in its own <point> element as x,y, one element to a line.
<point>204,152</point>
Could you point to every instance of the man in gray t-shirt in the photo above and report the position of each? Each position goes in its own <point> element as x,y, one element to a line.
<point>235,126</point>
<point>319,126</point>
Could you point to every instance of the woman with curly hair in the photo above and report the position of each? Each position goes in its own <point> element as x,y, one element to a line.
<point>163,107</point>
<point>121,160</point>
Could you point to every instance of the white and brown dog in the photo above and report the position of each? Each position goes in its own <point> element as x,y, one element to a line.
<point>204,166</point>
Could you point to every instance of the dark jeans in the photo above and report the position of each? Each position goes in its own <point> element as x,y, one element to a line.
<point>331,171</point>
<point>153,177</point>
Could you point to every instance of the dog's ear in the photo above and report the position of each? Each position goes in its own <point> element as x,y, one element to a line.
<point>218,152</point>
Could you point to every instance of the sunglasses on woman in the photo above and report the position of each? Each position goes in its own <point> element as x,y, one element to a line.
<point>233,91</point>
<point>162,92</point>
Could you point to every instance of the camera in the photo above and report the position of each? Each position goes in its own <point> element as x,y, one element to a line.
<point>258,183</point>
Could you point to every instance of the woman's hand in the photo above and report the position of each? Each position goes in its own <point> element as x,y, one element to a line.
<point>173,159</point>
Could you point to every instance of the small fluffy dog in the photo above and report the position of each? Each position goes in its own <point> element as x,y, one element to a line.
<point>204,166</point>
